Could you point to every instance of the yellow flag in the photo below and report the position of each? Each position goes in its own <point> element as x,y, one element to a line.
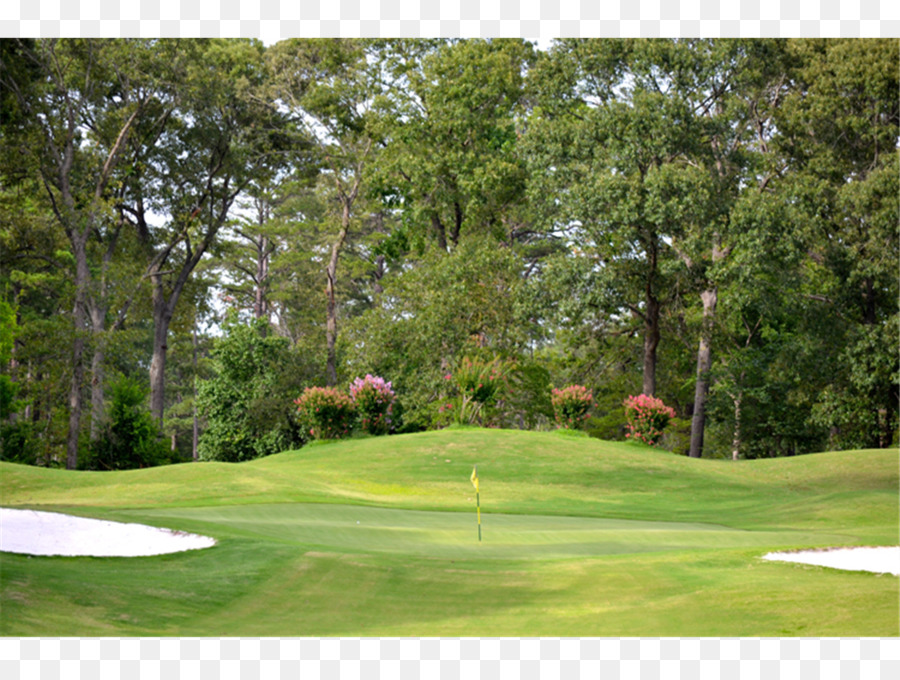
<point>474,478</point>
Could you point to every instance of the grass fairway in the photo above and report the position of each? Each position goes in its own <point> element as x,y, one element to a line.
<point>377,537</point>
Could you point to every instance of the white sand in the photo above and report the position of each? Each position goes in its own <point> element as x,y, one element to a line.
<point>884,560</point>
<point>50,533</point>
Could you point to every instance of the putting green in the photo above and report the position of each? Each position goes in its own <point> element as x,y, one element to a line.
<point>360,529</point>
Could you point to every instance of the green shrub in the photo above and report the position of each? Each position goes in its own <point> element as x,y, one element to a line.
<point>129,438</point>
<point>17,440</point>
<point>246,404</point>
<point>18,443</point>
<point>479,385</point>
<point>325,413</point>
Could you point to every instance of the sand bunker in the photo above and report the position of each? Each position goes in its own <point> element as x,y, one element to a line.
<point>50,533</point>
<point>884,560</point>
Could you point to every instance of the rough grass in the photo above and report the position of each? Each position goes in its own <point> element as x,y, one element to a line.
<point>581,538</point>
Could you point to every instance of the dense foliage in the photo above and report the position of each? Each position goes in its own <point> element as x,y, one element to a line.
<point>709,222</point>
<point>246,403</point>
<point>129,438</point>
<point>477,385</point>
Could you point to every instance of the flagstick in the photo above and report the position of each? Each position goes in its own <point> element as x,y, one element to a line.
<point>474,479</point>
<point>478,505</point>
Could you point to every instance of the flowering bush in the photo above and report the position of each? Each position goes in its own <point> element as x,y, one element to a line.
<point>647,418</point>
<point>374,401</point>
<point>325,412</point>
<point>479,384</point>
<point>571,405</point>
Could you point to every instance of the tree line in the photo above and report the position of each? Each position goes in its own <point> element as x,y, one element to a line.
<point>192,231</point>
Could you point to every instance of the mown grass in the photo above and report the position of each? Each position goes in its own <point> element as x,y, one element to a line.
<point>582,538</point>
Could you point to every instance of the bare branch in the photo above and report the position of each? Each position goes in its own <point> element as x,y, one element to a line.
<point>114,153</point>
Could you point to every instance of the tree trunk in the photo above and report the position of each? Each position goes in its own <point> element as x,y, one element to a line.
<point>75,399</point>
<point>195,439</point>
<point>97,393</point>
<point>161,318</point>
<point>260,302</point>
<point>158,370</point>
<point>79,320</point>
<point>651,321</point>
<point>28,409</point>
<point>98,309</point>
<point>98,319</point>
<point>704,362</point>
<point>263,254</point>
<point>651,342</point>
<point>736,440</point>
<point>14,368</point>
<point>869,300</point>
<point>347,198</point>
<point>457,223</point>
<point>651,317</point>
<point>331,311</point>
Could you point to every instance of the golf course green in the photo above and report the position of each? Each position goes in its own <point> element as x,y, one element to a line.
<point>378,537</point>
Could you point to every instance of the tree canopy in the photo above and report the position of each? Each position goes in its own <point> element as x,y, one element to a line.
<point>193,231</point>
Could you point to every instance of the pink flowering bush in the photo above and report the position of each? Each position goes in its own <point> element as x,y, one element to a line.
<point>571,405</point>
<point>647,418</point>
<point>325,413</point>
<point>374,401</point>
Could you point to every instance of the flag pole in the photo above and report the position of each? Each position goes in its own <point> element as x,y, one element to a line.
<point>478,506</point>
<point>474,479</point>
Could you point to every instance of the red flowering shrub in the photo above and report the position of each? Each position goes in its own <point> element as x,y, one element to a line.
<point>325,412</point>
<point>647,418</point>
<point>571,405</point>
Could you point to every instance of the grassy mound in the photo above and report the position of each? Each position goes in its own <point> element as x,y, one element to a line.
<point>378,537</point>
